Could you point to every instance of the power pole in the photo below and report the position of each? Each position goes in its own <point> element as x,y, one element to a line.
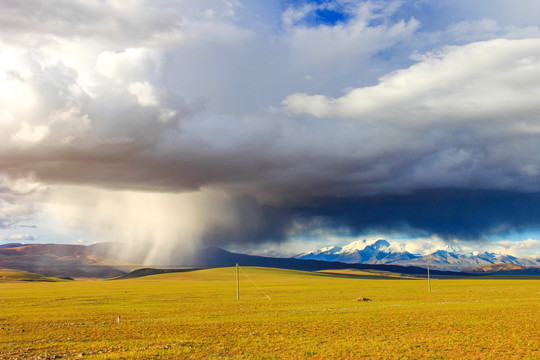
<point>428,279</point>
<point>237,284</point>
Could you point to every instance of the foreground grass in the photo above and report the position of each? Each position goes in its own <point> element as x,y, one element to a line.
<point>195,315</point>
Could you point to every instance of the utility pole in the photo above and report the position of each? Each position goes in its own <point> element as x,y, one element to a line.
<point>428,279</point>
<point>237,284</point>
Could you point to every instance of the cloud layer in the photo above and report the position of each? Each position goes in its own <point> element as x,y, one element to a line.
<point>295,116</point>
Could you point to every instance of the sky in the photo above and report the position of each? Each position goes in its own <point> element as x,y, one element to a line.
<point>271,126</point>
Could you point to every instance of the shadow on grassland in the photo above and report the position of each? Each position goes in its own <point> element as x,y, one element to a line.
<point>152,271</point>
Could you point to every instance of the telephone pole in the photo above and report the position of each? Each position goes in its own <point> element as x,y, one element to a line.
<point>237,284</point>
<point>428,279</point>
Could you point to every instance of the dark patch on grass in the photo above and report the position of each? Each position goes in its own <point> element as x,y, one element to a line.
<point>152,271</point>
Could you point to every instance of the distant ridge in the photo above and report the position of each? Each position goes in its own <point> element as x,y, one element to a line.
<point>59,260</point>
<point>360,251</point>
<point>217,257</point>
<point>86,261</point>
<point>100,261</point>
<point>382,252</point>
<point>10,245</point>
<point>505,269</point>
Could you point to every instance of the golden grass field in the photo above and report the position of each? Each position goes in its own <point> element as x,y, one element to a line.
<point>195,315</point>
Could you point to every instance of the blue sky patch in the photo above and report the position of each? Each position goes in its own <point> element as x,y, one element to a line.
<point>328,17</point>
<point>327,13</point>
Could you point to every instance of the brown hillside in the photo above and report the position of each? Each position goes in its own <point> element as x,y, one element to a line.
<point>497,267</point>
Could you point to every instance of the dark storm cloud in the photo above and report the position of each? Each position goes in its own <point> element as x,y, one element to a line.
<point>307,127</point>
<point>450,214</point>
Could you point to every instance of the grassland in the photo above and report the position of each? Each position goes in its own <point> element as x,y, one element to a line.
<point>195,315</point>
<point>369,274</point>
<point>7,275</point>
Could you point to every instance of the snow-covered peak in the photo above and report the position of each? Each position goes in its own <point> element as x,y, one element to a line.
<point>380,251</point>
<point>357,245</point>
<point>360,251</point>
<point>395,248</point>
<point>360,245</point>
<point>442,249</point>
<point>327,250</point>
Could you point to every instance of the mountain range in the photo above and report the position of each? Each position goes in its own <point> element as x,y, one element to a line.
<point>382,252</point>
<point>60,260</point>
<point>107,260</point>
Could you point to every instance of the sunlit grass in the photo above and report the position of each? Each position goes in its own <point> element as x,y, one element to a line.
<point>15,275</point>
<point>196,315</point>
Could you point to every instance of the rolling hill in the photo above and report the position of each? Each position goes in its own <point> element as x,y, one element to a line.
<point>7,275</point>
<point>505,269</point>
<point>60,260</point>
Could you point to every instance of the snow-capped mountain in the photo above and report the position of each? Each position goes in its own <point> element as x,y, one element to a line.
<point>451,260</point>
<point>361,251</point>
<point>382,252</point>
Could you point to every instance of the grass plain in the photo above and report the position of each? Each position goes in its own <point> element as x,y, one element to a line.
<point>195,315</point>
<point>15,275</point>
